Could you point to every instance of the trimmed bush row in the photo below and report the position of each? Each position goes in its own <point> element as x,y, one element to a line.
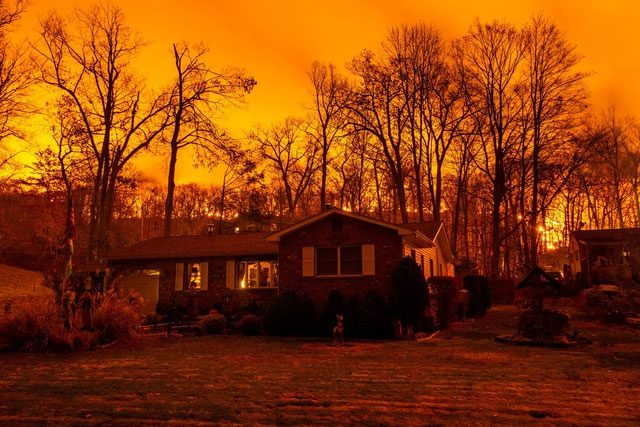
<point>416,304</point>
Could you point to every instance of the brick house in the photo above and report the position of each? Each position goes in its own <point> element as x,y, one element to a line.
<point>355,253</point>
<point>332,250</point>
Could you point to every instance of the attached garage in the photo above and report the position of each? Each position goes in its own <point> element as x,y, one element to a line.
<point>144,282</point>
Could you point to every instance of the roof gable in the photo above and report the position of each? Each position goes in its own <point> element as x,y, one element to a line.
<point>401,229</point>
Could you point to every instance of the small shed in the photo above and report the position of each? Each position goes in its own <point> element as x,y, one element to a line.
<point>604,256</point>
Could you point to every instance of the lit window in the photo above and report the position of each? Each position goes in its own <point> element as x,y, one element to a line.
<point>256,274</point>
<point>194,278</point>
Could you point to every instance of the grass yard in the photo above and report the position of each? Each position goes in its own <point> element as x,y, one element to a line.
<point>461,377</point>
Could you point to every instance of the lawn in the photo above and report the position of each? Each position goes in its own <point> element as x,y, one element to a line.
<point>460,377</point>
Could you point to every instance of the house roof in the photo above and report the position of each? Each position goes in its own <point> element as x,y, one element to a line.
<point>614,235</point>
<point>402,229</point>
<point>232,244</point>
<point>429,228</point>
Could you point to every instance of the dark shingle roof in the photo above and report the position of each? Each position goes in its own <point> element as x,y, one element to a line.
<point>616,235</point>
<point>428,228</point>
<point>233,244</point>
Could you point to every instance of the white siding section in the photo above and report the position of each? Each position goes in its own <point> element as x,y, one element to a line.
<point>429,253</point>
<point>434,254</point>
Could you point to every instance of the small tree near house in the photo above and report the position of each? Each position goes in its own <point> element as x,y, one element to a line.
<point>409,296</point>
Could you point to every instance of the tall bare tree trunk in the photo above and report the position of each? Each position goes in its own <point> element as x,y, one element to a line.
<point>171,188</point>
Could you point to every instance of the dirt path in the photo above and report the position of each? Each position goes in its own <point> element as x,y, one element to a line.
<point>462,377</point>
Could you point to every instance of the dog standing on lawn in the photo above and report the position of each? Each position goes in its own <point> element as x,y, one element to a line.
<point>338,331</point>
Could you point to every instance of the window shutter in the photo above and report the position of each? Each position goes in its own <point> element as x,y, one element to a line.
<point>231,274</point>
<point>368,260</point>
<point>204,276</point>
<point>179,276</point>
<point>308,261</point>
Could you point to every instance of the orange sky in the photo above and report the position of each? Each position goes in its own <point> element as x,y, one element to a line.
<point>276,41</point>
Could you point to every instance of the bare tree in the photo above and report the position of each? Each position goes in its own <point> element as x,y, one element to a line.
<point>378,108</point>
<point>415,55</point>
<point>15,79</point>
<point>91,64</point>
<point>556,98</point>
<point>240,172</point>
<point>612,157</point>
<point>633,156</point>
<point>461,160</point>
<point>489,57</point>
<point>197,95</point>
<point>291,157</point>
<point>330,92</point>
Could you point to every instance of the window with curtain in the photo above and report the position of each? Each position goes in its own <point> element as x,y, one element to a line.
<point>194,278</point>
<point>256,274</point>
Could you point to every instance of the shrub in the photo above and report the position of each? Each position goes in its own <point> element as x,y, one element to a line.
<point>444,290</point>
<point>174,311</point>
<point>36,326</point>
<point>479,295</point>
<point>250,324</point>
<point>84,340</point>
<point>612,304</point>
<point>240,304</point>
<point>409,296</point>
<point>117,319</point>
<point>213,323</point>
<point>290,315</point>
<point>308,317</point>
<point>352,322</point>
<point>542,327</point>
<point>374,318</point>
<point>152,319</point>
